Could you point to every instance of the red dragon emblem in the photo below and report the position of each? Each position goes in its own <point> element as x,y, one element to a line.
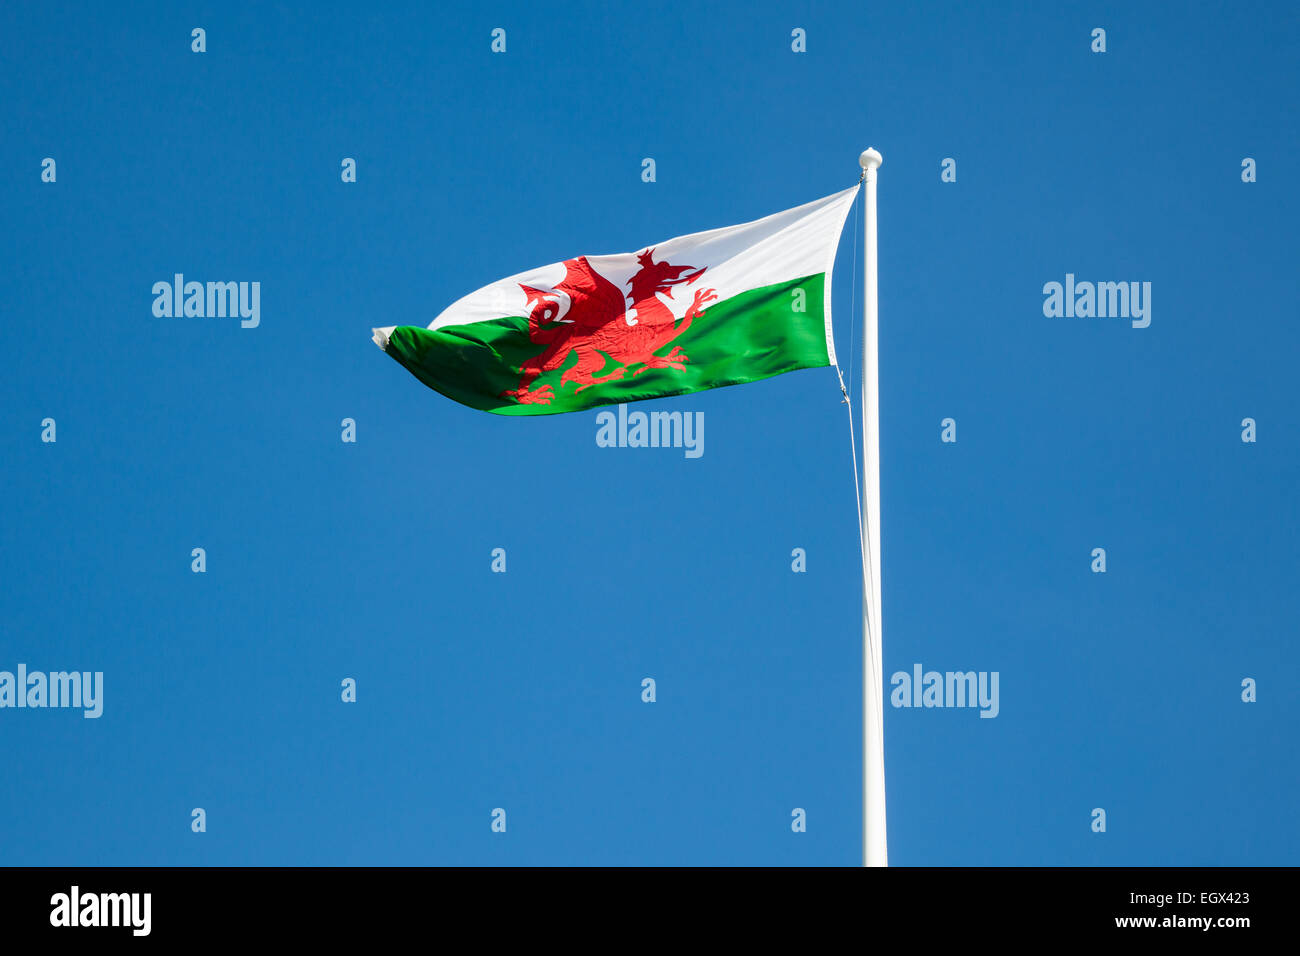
<point>588,314</point>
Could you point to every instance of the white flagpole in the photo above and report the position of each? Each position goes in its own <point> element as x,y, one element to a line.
<point>874,851</point>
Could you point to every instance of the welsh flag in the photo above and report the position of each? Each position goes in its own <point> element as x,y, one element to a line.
<point>715,308</point>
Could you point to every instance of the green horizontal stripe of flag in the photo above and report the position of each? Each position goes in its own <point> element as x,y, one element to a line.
<point>755,335</point>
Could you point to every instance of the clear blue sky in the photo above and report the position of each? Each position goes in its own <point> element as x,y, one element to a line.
<point>371,560</point>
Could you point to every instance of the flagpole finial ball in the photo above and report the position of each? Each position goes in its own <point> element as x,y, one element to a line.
<point>870,158</point>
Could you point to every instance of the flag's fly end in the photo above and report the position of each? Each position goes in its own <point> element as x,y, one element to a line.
<point>380,336</point>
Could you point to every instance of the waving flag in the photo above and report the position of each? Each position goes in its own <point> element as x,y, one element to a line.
<point>715,308</point>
